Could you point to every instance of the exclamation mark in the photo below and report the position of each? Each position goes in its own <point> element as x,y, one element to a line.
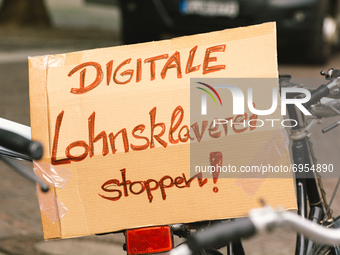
<point>216,159</point>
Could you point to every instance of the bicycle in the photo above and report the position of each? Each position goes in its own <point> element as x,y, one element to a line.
<point>309,188</point>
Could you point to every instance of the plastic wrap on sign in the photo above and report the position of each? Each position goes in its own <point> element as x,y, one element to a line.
<point>56,177</point>
<point>268,156</point>
<point>48,61</point>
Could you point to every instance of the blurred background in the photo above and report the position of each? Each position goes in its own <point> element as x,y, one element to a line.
<point>307,43</point>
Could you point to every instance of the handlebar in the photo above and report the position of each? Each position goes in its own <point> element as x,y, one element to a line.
<point>221,234</point>
<point>317,94</point>
<point>20,144</point>
<point>322,91</point>
<point>259,220</point>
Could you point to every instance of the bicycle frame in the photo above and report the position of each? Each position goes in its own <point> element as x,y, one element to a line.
<point>306,185</point>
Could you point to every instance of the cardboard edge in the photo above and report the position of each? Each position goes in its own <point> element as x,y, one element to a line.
<point>40,128</point>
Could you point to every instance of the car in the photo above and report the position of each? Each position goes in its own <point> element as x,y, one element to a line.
<point>311,25</point>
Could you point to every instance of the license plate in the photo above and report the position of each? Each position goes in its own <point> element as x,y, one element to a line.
<point>228,8</point>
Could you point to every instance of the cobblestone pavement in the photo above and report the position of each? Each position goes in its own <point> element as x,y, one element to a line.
<point>20,225</point>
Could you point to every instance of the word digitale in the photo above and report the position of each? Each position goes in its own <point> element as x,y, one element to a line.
<point>173,62</point>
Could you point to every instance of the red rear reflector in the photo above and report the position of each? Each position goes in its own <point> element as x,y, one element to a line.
<point>149,240</point>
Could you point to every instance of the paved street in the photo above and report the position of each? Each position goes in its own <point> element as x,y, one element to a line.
<point>20,223</point>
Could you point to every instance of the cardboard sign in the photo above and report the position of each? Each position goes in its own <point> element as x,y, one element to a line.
<point>115,125</point>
